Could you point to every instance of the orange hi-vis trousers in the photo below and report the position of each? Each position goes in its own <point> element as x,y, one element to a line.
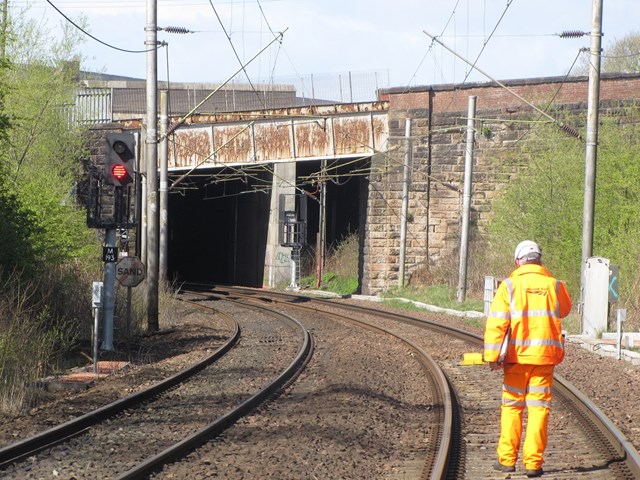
<point>525,386</point>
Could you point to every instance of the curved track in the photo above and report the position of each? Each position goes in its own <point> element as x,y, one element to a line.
<point>27,455</point>
<point>439,450</point>
<point>609,455</point>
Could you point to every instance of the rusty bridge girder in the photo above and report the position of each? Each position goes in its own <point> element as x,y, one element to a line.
<point>274,137</point>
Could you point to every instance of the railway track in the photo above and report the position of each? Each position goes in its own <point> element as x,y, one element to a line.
<point>362,408</point>
<point>136,435</point>
<point>344,417</point>
<point>587,444</point>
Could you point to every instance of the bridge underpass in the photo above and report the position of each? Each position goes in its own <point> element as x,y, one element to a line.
<point>223,214</point>
<point>219,220</point>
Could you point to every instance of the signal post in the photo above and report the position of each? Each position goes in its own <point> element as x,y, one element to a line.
<point>110,207</point>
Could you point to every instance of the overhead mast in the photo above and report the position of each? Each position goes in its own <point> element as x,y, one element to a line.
<point>591,155</point>
<point>151,158</point>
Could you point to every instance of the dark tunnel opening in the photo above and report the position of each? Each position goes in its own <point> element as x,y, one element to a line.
<point>219,219</point>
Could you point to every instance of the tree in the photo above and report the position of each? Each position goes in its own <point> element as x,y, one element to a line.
<point>623,55</point>
<point>41,151</point>
<point>43,233</point>
<point>545,202</point>
<point>620,56</point>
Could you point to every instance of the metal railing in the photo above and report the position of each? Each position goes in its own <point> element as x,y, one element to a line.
<point>104,105</point>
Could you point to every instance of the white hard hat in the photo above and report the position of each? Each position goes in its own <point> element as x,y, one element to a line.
<point>525,248</point>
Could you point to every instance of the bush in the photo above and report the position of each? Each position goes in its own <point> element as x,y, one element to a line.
<point>341,267</point>
<point>545,204</point>
<point>32,339</point>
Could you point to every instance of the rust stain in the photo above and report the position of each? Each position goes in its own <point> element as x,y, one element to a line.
<point>352,135</point>
<point>273,141</point>
<point>313,138</point>
<point>191,146</point>
<point>291,112</point>
<point>233,144</point>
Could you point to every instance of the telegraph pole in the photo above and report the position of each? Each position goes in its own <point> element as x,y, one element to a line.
<point>466,200</point>
<point>164,187</point>
<point>593,102</point>
<point>151,157</point>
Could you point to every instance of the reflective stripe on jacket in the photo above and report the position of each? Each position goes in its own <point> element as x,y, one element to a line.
<point>530,303</point>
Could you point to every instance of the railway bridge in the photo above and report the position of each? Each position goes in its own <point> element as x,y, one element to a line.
<point>227,172</point>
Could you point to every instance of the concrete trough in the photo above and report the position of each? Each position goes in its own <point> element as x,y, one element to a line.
<point>84,377</point>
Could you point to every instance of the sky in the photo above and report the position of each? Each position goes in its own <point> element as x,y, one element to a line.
<point>506,39</point>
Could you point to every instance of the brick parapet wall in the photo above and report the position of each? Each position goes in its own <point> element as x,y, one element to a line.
<point>438,116</point>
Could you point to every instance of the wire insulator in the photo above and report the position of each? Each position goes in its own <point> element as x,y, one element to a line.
<point>174,126</point>
<point>573,34</point>
<point>179,30</point>
<point>570,131</point>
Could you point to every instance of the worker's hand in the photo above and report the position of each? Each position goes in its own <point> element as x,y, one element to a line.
<point>495,366</point>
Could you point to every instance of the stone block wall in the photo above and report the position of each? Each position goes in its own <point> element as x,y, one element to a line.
<point>438,132</point>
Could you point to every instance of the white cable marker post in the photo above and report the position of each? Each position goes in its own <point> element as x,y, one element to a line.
<point>96,301</point>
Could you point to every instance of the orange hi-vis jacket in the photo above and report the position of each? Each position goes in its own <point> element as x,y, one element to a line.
<point>529,305</point>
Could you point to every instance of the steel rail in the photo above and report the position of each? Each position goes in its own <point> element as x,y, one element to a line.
<point>20,450</point>
<point>626,465</point>
<point>626,459</point>
<point>436,465</point>
<point>438,456</point>
<point>192,442</point>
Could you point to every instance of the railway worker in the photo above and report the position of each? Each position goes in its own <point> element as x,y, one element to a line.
<point>526,311</point>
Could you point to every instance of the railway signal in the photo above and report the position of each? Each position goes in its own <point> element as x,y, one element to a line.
<point>119,163</point>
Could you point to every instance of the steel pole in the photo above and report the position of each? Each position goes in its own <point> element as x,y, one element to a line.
<point>164,187</point>
<point>591,143</point>
<point>322,223</point>
<point>406,174</point>
<point>151,156</point>
<point>109,293</point>
<point>466,201</point>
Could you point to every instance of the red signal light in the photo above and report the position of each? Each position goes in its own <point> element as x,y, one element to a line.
<point>119,172</point>
<point>119,162</point>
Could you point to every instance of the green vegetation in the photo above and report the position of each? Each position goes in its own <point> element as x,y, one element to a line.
<point>341,268</point>
<point>621,55</point>
<point>438,295</point>
<point>545,203</point>
<point>344,285</point>
<point>47,254</point>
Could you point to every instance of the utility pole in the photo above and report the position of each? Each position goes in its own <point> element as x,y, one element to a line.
<point>322,223</point>
<point>593,104</point>
<point>466,200</point>
<point>406,172</point>
<point>164,186</point>
<point>151,157</point>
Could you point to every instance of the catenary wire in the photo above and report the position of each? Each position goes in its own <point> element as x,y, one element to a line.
<point>235,52</point>
<point>504,12</point>
<point>429,49</point>
<point>97,39</point>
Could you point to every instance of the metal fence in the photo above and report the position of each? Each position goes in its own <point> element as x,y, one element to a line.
<point>104,105</point>
<point>345,87</point>
<point>92,105</point>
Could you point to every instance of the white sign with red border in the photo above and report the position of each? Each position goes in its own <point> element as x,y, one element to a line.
<point>130,271</point>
